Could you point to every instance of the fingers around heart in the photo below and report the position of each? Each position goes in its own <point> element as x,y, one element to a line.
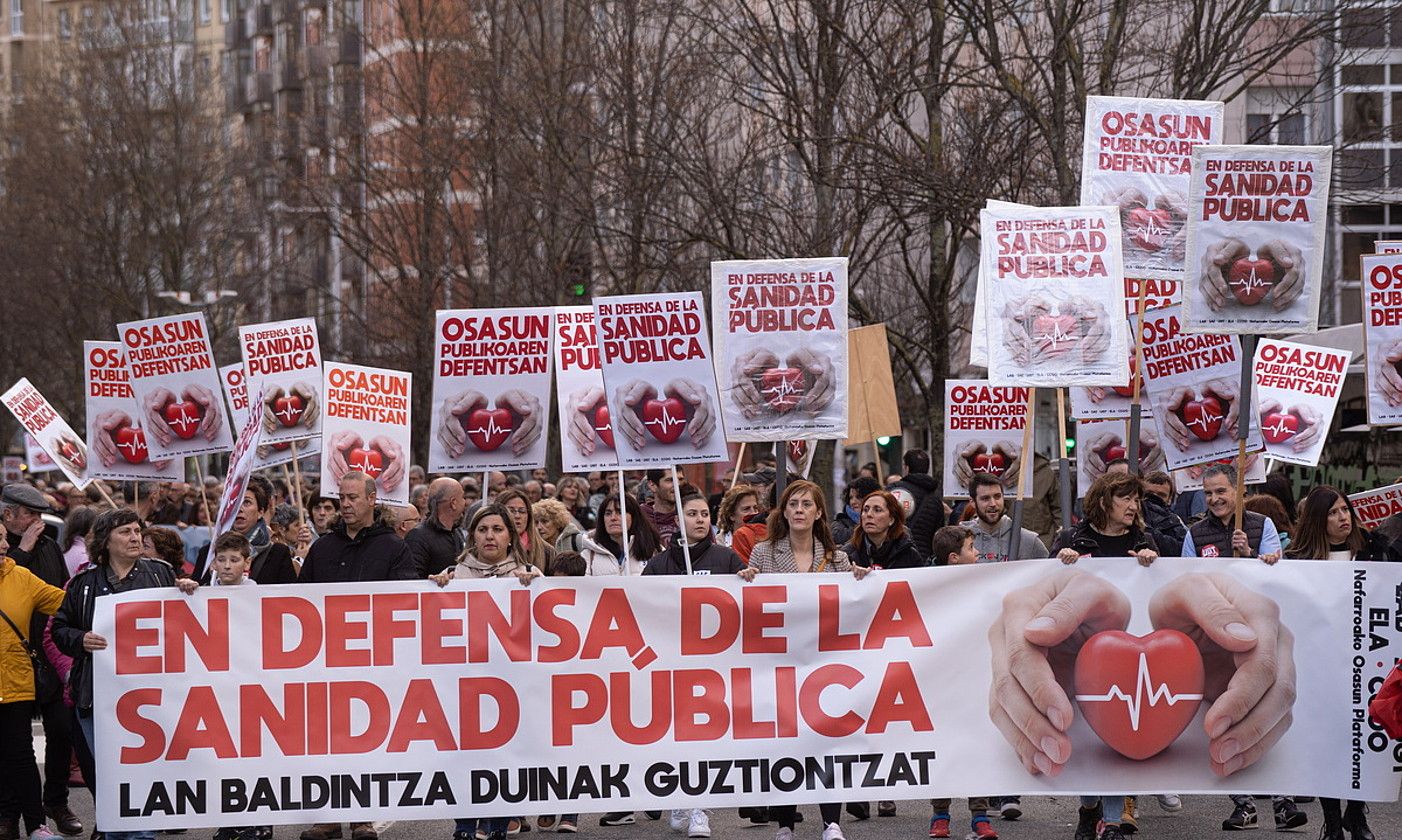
<point>1253,754</point>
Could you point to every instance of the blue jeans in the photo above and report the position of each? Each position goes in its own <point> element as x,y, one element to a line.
<point>86,724</point>
<point>468,828</point>
<point>1114,807</point>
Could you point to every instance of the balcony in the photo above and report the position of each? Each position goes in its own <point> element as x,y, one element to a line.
<point>288,77</point>
<point>234,98</point>
<point>258,88</point>
<point>235,34</point>
<point>258,20</point>
<point>316,58</point>
<point>349,52</point>
<point>285,11</point>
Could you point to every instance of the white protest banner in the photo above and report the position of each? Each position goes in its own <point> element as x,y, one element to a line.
<point>50,431</point>
<point>1137,156</point>
<point>265,454</point>
<point>176,385</point>
<point>1387,246</point>
<point>1099,442</point>
<point>1256,238</point>
<point>586,432</point>
<point>800,457</point>
<point>1375,506</point>
<point>242,462</point>
<point>1382,333</point>
<point>978,338</point>
<point>1297,388</point>
<point>366,428</point>
<point>659,378</point>
<point>11,468</point>
<point>780,338</point>
<point>1194,381</point>
<point>115,435</point>
<point>491,389</point>
<point>402,701</point>
<point>283,360</point>
<point>1055,296</point>
<point>983,426</point>
<point>35,457</point>
<point>1190,478</point>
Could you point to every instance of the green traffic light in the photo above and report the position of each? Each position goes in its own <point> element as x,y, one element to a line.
<point>883,441</point>
<point>577,290</point>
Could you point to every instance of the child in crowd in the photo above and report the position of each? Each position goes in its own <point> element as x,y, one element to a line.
<point>233,554</point>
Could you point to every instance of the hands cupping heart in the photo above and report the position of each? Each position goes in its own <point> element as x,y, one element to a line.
<point>1151,226</point>
<point>1231,270</point>
<point>805,381</point>
<point>514,417</point>
<point>1214,641</point>
<point>683,406</point>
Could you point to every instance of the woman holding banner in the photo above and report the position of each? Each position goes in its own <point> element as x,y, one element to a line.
<point>799,539</point>
<point>494,550</point>
<point>643,540</point>
<point>534,548</point>
<point>881,542</point>
<point>1328,529</point>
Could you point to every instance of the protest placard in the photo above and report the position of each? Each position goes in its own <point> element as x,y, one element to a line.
<point>978,337</point>
<point>50,431</point>
<point>1136,156</point>
<point>1375,506</point>
<point>11,468</point>
<point>283,360</point>
<point>1256,238</point>
<point>242,462</point>
<point>117,441</point>
<point>491,389</point>
<point>1194,383</point>
<point>1055,296</point>
<point>265,454</point>
<point>983,426</point>
<point>400,701</point>
<point>586,430</point>
<point>659,378</point>
<point>1297,388</point>
<point>176,385</point>
<point>780,337</point>
<point>1387,246</point>
<point>871,389</point>
<point>35,458</point>
<point>367,428</point>
<point>1100,442</point>
<point>1382,334</point>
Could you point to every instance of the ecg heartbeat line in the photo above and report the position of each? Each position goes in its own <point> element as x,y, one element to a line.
<point>666,421</point>
<point>784,391</point>
<point>287,414</point>
<point>1279,428</point>
<point>492,429</point>
<point>1057,335</point>
<point>604,428</point>
<point>1153,231</point>
<point>1142,683</point>
<point>364,465</point>
<point>1205,420</point>
<point>183,421</point>
<point>131,447</point>
<point>1251,281</point>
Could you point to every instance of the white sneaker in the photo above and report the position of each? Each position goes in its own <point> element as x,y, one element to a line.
<point>1170,802</point>
<point>833,831</point>
<point>700,824</point>
<point>784,834</point>
<point>679,819</point>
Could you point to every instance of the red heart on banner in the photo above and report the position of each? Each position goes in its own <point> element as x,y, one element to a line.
<point>489,428</point>
<point>1203,417</point>
<point>1113,452</point>
<point>603,425</point>
<point>1251,280</point>
<point>289,409</point>
<point>782,388</point>
<point>1128,390</point>
<point>665,419</point>
<point>1055,334</point>
<point>369,461</point>
<point>132,444</point>
<point>281,447</point>
<point>183,418</point>
<point>797,449</point>
<point>1278,428</point>
<point>993,463</point>
<point>1149,230</point>
<point>1139,693</point>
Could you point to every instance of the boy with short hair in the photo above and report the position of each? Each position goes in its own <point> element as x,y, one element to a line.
<point>953,545</point>
<point>233,554</point>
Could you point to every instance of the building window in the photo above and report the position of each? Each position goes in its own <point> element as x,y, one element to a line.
<point>226,10</point>
<point>1360,225</point>
<point>16,17</point>
<point>1368,111</point>
<point>65,24</point>
<point>206,11</point>
<point>1277,116</point>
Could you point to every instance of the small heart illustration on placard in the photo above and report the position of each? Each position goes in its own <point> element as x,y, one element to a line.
<point>782,388</point>
<point>131,442</point>
<point>1149,230</point>
<point>665,419</point>
<point>1278,428</point>
<point>1055,334</point>
<point>603,425</point>
<point>1138,693</point>
<point>1203,417</point>
<point>183,418</point>
<point>289,409</point>
<point>368,460</point>
<point>1113,452</point>
<point>1128,390</point>
<point>281,447</point>
<point>1251,280</point>
<point>797,450</point>
<point>489,428</point>
<point>993,463</point>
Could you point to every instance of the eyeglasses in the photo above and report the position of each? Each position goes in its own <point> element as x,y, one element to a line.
<point>516,511</point>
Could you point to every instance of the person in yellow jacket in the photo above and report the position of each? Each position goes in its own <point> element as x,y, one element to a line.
<point>21,595</point>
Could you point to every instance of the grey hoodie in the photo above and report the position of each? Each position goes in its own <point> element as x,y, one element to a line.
<point>993,548</point>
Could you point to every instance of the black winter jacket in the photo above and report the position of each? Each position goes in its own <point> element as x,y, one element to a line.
<point>892,554</point>
<point>374,554</point>
<point>1164,524</point>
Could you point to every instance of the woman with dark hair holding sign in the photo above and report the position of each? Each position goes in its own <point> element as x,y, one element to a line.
<point>881,541</point>
<point>1328,529</point>
<point>800,540</point>
<point>643,541</point>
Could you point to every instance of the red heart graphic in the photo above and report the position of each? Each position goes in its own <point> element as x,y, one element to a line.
<point>1149,230</point>
<point>1251,280</point>
<point>289,409</point>
<point>1128,390</point>
<point>1203,417</point>
<point>1113,452</point>
<point>489,428</point>
<point>602,425</point>
<point>665,419</point>
<point>183,418</point>
<point>369,461</point>
<point>131,443</point>
<point>797,449</point>
<point>993,463</point>
<point>1139,693</point>
<point>782,388</point>
<point>69,451</point>
<point>281,447</point>
<point>1278,428</point>
<point>1055,334</point>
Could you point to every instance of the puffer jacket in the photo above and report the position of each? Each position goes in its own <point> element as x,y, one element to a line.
<point>22,596</point>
